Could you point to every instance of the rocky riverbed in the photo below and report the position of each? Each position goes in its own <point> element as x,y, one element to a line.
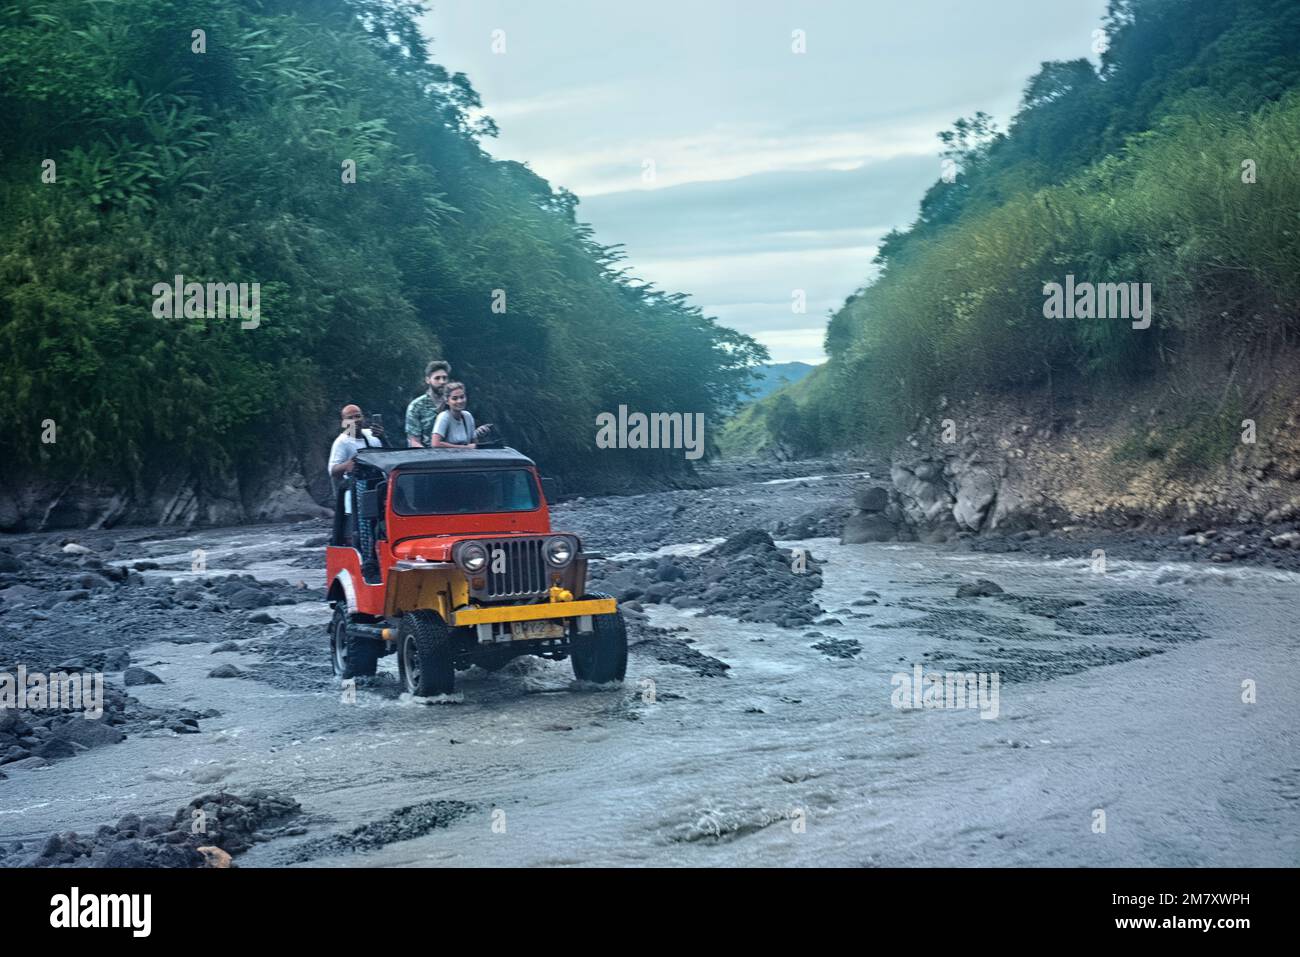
<point>760,643</point>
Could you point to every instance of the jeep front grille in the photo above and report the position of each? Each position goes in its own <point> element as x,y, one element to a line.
<point>525,568</point>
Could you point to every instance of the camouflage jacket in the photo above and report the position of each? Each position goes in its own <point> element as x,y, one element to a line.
<point>420,416</point>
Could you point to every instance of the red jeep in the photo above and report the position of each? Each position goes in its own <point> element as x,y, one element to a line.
<point>447,558</point>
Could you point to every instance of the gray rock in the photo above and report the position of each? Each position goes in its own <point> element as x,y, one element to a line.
<point>25,764</point>
<point>249,598</point>
<point>22,595</point>
<point>742,541</point>
<point>924,500</point>
<point>116,574</point>
<point>89,733</point>
<point>976,490</point>
<point>225,671</point>
<point>981,587</point>
<point>938,534</point>
<point>871,499</point>
<point>669,572</point>
<point>868,527</point>
<point>139,676</point>
<point>56,748</point>
<point>660,591</point>
<point>129,853</point>
<point>116,659</point>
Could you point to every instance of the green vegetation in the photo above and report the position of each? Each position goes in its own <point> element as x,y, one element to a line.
<point>1197,439</point>
<point>227,166</point>
<point>1132,174</point>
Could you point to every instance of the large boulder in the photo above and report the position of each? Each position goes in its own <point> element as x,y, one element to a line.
<point>976,490</point>
<point>924,500</point>
<point>871,499</point>
<point>1011,511</point>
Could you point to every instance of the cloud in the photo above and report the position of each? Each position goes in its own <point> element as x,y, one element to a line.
<point>773,171</point>
<point>596,167</point>
<point>741,247</point>
<point>558,101</point>
<point>768,211</point>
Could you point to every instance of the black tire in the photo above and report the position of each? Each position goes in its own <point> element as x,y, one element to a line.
<point>425,655</point>
<point>351,657</point>
<point>601,657</point>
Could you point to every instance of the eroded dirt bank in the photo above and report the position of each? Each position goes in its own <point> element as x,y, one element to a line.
<point>1138,475</point>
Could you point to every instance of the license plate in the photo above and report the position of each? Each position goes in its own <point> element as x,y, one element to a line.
<point>534,630</point>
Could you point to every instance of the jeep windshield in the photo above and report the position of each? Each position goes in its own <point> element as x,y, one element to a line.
<point>461,493</point>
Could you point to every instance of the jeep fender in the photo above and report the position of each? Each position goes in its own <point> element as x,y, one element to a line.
<point>342,589</point>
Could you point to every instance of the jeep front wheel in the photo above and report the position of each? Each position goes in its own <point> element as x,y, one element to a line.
<point>425,656</point>
<point>601,656</point>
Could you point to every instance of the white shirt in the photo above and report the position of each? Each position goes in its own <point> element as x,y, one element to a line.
<point>345,446</point>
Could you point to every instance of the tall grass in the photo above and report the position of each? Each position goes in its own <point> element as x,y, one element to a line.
<point>963,311</point>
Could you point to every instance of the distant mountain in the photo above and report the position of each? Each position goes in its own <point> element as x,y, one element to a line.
<point>774,375</point>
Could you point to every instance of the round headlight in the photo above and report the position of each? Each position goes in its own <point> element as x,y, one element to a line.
<point>559,551</point>
<point>473,557</point>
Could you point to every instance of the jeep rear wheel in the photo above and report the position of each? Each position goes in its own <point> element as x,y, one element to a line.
<point>351,656</point>
<point>601,657</point>
<point>425,657</point>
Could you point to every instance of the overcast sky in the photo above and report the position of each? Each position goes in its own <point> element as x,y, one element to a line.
<point>772,171</point>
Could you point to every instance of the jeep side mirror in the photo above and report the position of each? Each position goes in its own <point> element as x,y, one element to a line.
<point>551,489</point>
<point>369,503</point>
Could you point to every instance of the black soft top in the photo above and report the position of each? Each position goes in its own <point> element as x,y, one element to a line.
<point>386,460</point>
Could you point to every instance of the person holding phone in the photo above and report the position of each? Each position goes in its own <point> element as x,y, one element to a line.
<point>352,438</point>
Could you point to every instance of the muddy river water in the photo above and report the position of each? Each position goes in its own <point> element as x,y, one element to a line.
<point>1144,716</point>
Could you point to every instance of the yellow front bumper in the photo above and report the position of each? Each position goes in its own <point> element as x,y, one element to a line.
<point>554,609</point>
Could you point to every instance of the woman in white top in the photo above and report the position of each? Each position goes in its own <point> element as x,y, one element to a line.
<point>454,427</point>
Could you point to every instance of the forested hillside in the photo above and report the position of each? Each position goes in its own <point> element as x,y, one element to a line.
<point>776,375</point>
<point>231,164</point>
<point>1172,164</point>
